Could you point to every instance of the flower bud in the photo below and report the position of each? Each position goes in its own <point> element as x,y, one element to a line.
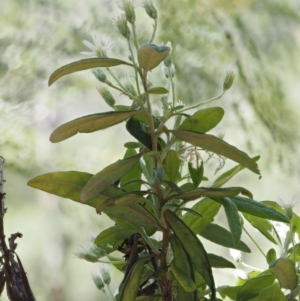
<point>150,9</point>
<point>168,61</point>
<point>98,282</point>
<point>100,75</point>
<point>105,276</point>
<point>168,71</point>
<point>87,255</point>
<point>121,23</point>
<point>228,81</point>
<point>107,96</point>
<point>221,134</point>
<point>129,87</point>
<point>128,8</point>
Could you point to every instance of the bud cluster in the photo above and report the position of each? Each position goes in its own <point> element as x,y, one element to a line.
<point>107,96</point>
<point>128,7</point>
<point>121,23</point>
<point>228,81</point>
<point>150,9</point>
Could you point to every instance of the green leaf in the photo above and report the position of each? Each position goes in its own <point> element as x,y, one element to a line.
<point>218,146</point>
<point>135,128</point>
<point>108,176</point>
<point>208,209</point>
<point>274,205</point>
<point>252,287</point>
<point>200,192</point>
<point>128,181</point>
<point>150,55</point>
<point>233,220</point>
<point>258,209</point>
<point>157,90</point>
<point>285,271</point>
<point>69,184</point>
<point>294,252</point>
<point>84,65</point>
<point>172,164</point>
<point>221,236</point>
<point>89,124</point>
<point>148,167</point>
<point>220,262</point>
<point>196,173</point>
<point>185,209</point>
<point>149,298</point>
<point>271,256</point>
<point>203,120</point>
<point>295,221</point>
<point>132,145</point>
<point>183,263</point>
<point>133,213</point>
<point>271,293</point>
<point>230,291</point>
<point>129,289</point>
<point>262,225</point>
<point>197,253</point>
<point>227,175</point>
<point>183,278</point>
<point>114,235</point>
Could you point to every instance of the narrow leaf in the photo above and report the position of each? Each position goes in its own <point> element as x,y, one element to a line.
<point>252,287</point>
<point>197,253</point>
<point>149,298</point>
<point>262,225</point>
<point>130,288</point>
<point>129,181</point>
<point>69,184</point>
<point>203,120</point>
<point>226,176</point>
<point>208,209</point>
<point>84,65</point>
<point>182,261</point>
<point>196,173</point>
<point>220,262</point>
<point>229,291</point>
<point>114,234</point>
<point>233,220</point>
<point>172,164</point>
<point>271,293</point>
<point>150,55</point>
<point>218,146</point>
<point>221,236</point>
<point>133,213</point>
<point>200,192</point>
<point>183,278</point>
<point>108,176</point>
<point>258,209</point>
<point>285,271</point>
<point>134,127</point>
<point>89,124</point>
<point>158,90</point>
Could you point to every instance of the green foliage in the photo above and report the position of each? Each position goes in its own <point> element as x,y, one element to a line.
<point>146,191</point>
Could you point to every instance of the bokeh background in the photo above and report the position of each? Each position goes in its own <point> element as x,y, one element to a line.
<point>259,40</point>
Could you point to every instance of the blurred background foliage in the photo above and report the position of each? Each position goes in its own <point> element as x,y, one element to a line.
<point>259,40</point>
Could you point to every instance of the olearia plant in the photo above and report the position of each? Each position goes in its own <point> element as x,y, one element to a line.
<point>147,193</point>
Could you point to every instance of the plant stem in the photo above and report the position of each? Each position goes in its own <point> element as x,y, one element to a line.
<point>135,68</point>
<point>165,283</point>
<point>154,31</point>
<point>134,36</point>
<point>258,247</point>
<point>201,103</point>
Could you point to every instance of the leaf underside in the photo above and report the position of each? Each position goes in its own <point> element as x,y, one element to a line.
<point>84,65</point>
